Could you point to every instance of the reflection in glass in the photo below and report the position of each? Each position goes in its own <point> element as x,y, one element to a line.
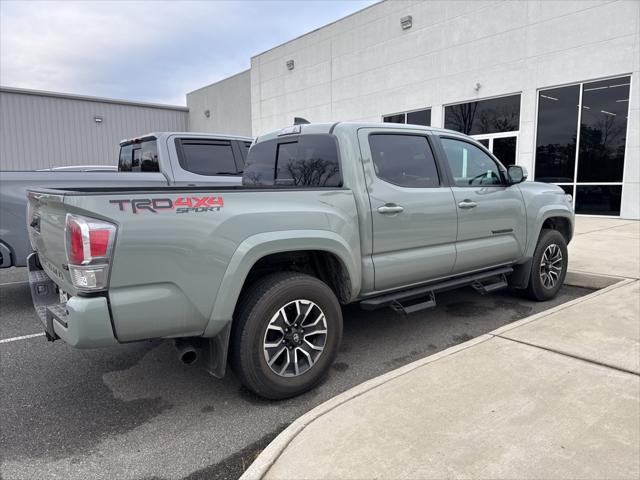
<point>309,161</point>
<point>557,130</point>
<point>404,160</point>
<point>398,118</point>
<point>505,150</point>
<point>598,199</point>
<point>603,128</point>
<point>470,165</point>
<point>568,189</point>
<point>421,117</point>
<point>485,116</point>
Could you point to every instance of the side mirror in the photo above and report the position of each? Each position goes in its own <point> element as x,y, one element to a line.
<point>516,174</point>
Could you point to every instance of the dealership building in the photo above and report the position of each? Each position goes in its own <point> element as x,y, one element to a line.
<point>551,86</point>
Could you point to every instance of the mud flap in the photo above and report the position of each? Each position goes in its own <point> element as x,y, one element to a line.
<point>521,275</point>
<point>216,352</point>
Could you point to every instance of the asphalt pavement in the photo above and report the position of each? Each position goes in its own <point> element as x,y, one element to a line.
<point>135,412</point>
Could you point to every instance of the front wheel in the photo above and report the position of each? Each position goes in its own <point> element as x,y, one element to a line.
<point>286,334</point>
<point>549,266</point>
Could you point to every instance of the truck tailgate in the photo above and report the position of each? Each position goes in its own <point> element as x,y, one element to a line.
<point>46,223</point>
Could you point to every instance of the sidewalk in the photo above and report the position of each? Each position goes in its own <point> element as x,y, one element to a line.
<point>556,395</point>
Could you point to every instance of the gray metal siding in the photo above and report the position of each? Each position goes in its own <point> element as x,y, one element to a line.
<point>42,131</point>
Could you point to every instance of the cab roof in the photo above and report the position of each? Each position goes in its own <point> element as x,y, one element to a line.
<point>163,135</point>
<point>311,128</point>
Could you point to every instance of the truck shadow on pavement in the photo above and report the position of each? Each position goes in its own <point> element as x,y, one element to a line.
<point>78,413</point>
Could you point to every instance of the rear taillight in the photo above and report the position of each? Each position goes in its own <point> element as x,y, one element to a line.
<point>89,245</point>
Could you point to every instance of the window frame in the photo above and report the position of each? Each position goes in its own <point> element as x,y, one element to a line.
<point>575,184</point>
<point>501,168</point>
<point>182,157</point>
<point>443,180</point>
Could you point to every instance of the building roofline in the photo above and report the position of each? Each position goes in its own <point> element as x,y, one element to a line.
<point>319,28</point>
<point>73,96</point>
<point>220,81</point>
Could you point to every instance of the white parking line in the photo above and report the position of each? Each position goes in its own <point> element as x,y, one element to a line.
<point>14,283</point>
<point>23,337</point>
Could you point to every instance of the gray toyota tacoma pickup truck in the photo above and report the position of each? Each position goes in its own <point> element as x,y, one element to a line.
<point>329,214</point>
<point>155,159</point>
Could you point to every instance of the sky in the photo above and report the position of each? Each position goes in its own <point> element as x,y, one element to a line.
<point>153,51</point>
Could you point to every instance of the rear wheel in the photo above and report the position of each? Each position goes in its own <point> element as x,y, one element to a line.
<point>549,266</point>
<point>286,334</point>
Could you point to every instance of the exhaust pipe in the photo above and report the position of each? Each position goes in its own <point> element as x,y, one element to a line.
<point>188,353</point>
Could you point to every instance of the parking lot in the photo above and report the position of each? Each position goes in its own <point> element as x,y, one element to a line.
<point>135,412</point>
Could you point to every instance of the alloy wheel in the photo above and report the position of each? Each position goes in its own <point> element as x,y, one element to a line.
<point>551,266</point>
<point>295,338</point>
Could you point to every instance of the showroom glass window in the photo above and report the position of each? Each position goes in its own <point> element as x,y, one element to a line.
<point>494,122</point>
<point>416,117</point>
<point>580,143</point>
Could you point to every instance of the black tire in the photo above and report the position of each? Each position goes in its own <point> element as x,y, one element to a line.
<point>256,308</point>
<point>537,290</point>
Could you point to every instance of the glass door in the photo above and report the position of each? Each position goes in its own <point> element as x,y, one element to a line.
<point>503,145</point>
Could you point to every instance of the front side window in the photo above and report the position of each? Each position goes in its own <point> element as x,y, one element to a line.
<point>206,157</point>
<point>404,160</point>
<point>469,165</point>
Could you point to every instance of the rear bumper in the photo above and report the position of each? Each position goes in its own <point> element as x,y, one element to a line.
<point>82,322</point>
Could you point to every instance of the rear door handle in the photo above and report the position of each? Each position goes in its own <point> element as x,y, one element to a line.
<point>390,209</point>
<point>467,204</point>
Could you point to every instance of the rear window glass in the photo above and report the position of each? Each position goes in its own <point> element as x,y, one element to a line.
<point>139,157</point>
<point>207,157</point>
<point>306,161</point>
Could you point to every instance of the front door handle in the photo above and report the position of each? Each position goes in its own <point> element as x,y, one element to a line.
<point>390,209</point>
<point>466,204</point>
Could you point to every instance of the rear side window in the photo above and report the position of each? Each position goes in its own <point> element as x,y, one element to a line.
<point>126,156</point>
<point>305,161</point>
<point>206,157</point>
<point>404,160</point>
<point>139,157</point>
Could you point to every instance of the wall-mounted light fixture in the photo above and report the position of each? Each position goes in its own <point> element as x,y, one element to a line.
<point>290,64</point>
<point>477,87</point>
<point>406,22</point>
<point>207,113</point>
<point>97,119</point>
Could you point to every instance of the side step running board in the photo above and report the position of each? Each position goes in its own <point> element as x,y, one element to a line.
<point>498,284</point>
<point>421,298</point>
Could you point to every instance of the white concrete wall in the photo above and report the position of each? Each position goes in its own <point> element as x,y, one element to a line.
<point>229,105</point>
<point>365,65</point>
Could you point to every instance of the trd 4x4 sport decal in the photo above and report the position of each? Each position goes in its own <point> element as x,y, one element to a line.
<point>180,204</point>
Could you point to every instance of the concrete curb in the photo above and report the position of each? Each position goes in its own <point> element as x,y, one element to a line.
<point>259,468</point>
<point>270,455</point>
